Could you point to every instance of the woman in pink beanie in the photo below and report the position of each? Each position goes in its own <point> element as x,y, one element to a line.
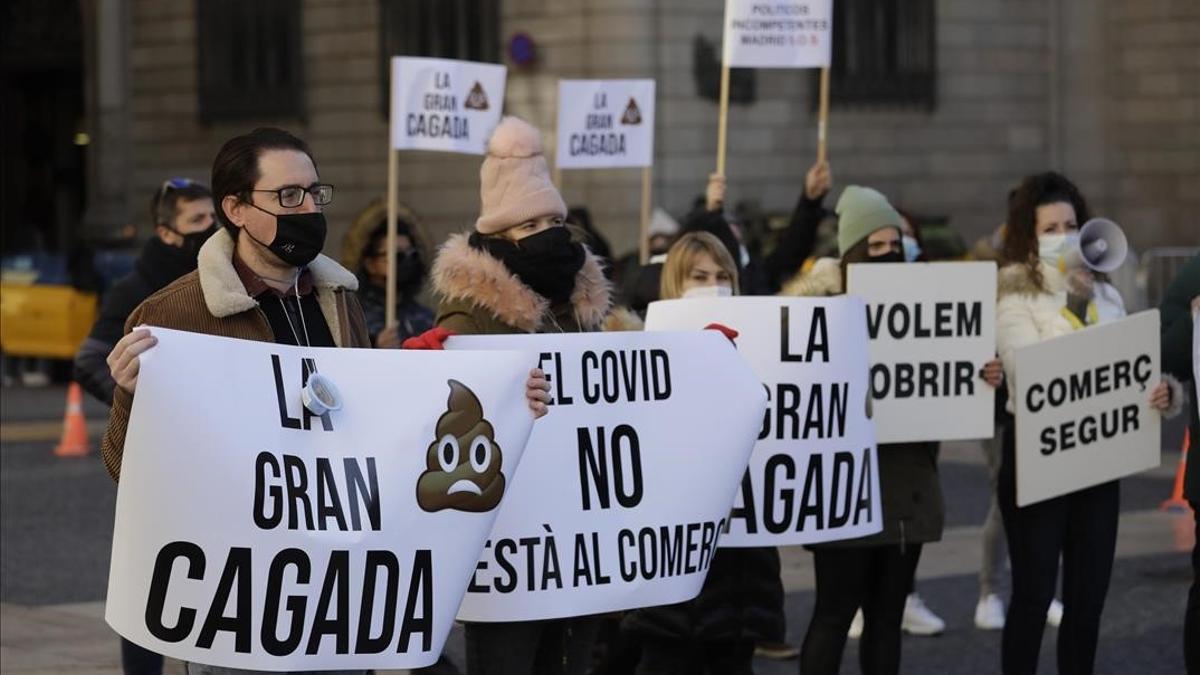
<point>521,272</point>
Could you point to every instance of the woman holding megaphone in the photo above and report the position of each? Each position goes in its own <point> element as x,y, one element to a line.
<point>1050,285</point>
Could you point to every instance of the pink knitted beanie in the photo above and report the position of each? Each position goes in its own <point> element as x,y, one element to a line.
<point>514,182</point>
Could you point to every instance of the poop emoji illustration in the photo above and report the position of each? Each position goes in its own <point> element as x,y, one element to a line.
<point>462,466</point>
<point>633,114</point>
<point>476,99</point>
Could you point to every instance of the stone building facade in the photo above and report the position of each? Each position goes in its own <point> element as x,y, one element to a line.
<point>1106,90</point>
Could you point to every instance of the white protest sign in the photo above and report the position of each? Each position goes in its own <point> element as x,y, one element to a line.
<point>932,327</point>
<point>1083,407</point>
<point>445,105</point>
<point>814,475</point>
<point>605,124</point>
<point>626,483</point>
<point>778,34</point>
<point>250,534</point>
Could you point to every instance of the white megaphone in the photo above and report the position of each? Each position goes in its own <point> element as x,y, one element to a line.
<point>1102,245</point>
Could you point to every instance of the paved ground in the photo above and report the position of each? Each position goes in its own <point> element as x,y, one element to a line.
<point>56,524</point>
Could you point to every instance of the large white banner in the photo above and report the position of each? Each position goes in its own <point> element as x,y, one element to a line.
<point>932,327</point>
<point>627,483</point>
<point>778,34</point>
<point>445,105</point>
<point>813,476</point>
<point>251,534</point>
<point>605,124</point>
<point>1083,407</point>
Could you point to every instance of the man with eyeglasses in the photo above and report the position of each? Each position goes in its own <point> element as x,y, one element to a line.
<point>182,213</point>
<point>260,277</point>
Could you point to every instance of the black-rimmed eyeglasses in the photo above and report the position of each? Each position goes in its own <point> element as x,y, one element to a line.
<point>293,195</point>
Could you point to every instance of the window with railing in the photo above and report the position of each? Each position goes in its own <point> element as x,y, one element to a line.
<point>468,30</point>
<point>884,54</point>
<point>249,59</point>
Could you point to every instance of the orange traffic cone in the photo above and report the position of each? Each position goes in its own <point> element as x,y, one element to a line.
<point>74,438</point>
<point>1177,502</point>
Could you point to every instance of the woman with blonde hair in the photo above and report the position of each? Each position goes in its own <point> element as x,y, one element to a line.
<point>715,632</point>
<point>698,265</point>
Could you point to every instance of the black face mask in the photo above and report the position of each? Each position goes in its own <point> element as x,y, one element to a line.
<point>547,262</point>
<point>162,263</point>
<point>889,257</point>
<point>299,237</point>
<point>410,272</point>
<point>193,241</point>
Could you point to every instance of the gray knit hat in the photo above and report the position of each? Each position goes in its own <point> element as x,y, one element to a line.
<point>861,212</point>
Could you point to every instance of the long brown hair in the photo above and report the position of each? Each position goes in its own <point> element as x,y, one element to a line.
<point>682,257</point>
<point>1020,232</point>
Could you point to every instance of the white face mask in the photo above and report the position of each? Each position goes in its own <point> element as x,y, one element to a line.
<point>1053,248</point>
<point>708,292</point>
<point>912,250</point>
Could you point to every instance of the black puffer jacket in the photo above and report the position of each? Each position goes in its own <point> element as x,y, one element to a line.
<point>738,602</point>
<point>158,265</point>
<point>913,512</point>
<point>412,318</point>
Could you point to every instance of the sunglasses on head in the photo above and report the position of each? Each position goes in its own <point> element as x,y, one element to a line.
<point>168,185</point>
<point>174,184</point>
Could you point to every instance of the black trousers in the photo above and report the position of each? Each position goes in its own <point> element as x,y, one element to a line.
<point>1191,620</point>
<point>137,660</point>
<point>875,578</point>
<point>1081,528</point>
<point>556,647</point>
<point>681,657</point>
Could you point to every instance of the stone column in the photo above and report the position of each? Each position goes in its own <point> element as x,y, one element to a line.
<point>106,30</point>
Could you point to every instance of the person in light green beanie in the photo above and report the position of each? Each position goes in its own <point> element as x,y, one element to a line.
<point>873,573</point>
<point>863,212</point>
<point>869,228</point>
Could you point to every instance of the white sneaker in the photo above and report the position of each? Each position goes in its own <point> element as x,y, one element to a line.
<point>1054,613</point>
<point>919,620</point>
<point>856,626</point>
<point>989,613</point>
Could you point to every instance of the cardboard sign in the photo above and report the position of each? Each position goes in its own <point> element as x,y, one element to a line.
<point>813,476</point>
<point>1083,407</point>
<point>627,483</point>
<point>251,534</point>
<point>784,34</point>
<point>605,124</point>
<point>932,327</point>
<point>445,105</point>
